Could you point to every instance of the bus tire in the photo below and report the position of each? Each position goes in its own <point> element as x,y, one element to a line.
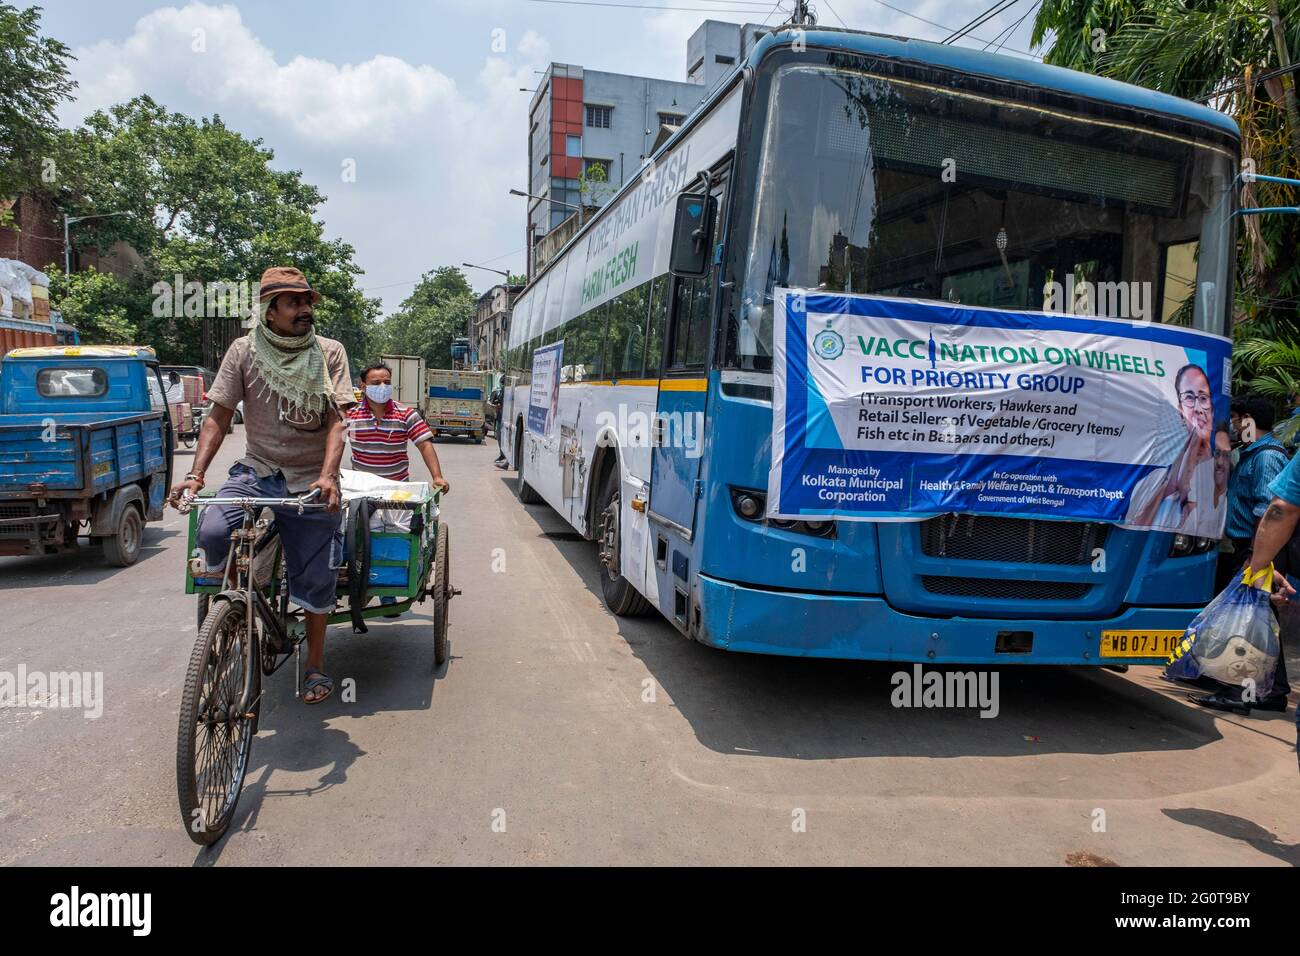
<point>620,596</point>
<point>527,495</point>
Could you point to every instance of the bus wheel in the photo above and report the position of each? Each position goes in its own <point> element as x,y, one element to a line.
<point>525,491</point>
<point>620,597</point>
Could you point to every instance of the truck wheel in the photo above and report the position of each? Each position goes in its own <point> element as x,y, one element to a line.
<point>123,547</point>
<point>620,597</point>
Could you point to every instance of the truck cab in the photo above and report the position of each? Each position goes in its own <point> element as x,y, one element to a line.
<point>85,449</point>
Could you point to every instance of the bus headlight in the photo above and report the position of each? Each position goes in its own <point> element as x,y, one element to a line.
<point>752,506</point>
<point>1185,545</point>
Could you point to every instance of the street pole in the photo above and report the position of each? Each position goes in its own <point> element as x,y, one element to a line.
<point>67,241</point>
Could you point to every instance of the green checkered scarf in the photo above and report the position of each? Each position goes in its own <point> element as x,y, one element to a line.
<point>293,367</point>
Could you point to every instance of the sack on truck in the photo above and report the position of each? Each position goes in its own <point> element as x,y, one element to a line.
<point>193,389</point>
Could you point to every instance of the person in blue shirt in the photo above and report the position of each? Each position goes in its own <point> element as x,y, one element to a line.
<point>1260,459</point>
<point>1274,530</point>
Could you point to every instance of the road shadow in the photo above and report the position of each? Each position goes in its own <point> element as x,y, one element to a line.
<point>1238,828</point>
<point>85,566</point>
<point>815,709</point>
<point>391,669</point>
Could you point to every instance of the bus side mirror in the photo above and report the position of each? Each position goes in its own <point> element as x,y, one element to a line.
<point>174,378</point>
<point>693,236</point>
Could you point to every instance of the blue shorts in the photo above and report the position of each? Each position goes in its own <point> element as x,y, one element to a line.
<point>312,541</point>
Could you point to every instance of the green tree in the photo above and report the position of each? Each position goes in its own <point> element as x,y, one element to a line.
<point>105,310</point>
<point>438,310</point>
<point>206,204</point>
<point>594,186</point>
<point>34,80</point>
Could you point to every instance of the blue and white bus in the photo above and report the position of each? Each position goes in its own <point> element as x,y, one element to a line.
<point>638,397</point>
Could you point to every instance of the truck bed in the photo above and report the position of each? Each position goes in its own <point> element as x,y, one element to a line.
<point>77,454</point>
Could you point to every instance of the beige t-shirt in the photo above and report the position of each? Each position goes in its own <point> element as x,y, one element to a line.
<point>293,443</point>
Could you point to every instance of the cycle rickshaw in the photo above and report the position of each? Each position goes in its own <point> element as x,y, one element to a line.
<point>247,632</point>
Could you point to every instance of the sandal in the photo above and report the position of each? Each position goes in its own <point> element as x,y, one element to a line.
<point>320,681</point>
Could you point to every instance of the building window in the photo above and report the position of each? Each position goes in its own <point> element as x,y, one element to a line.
<point>724,60</point>
<point>573,146</point>
<point>598,116</point>
<point>670,119</point>
<point>602,164</point>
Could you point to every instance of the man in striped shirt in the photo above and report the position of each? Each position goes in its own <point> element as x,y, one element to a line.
<point>379,429</point>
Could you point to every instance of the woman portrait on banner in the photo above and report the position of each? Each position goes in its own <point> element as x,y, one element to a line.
<point>1185,495</point>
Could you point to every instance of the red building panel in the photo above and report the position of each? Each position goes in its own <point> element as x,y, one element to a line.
<point>567,88</point>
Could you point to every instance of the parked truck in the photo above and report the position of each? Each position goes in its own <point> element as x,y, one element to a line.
<point>85,449</point>
<point>408,379</point>
<point>456,403</point>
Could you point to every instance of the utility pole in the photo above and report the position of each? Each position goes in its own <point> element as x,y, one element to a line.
<point>803,17</point>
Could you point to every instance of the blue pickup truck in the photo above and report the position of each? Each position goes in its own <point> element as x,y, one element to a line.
<point>85,449</point>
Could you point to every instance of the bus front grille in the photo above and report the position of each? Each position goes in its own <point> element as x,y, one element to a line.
<point>1005,590</point>
<point>1012,540</point>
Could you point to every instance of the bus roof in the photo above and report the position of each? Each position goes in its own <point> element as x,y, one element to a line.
<point>1007,68</point>
<point>961,59</point>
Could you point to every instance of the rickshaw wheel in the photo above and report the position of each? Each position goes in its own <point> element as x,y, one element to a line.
<point>205,603</point>
<point>213,742</point>
<point>441,595</point>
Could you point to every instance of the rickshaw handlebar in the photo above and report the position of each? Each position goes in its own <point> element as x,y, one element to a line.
<point>302,503</point>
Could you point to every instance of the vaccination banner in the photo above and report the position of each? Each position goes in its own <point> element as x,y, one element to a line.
<point>897,409</point>
<point>544,396</point>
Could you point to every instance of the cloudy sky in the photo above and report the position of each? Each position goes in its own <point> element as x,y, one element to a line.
<point>422,98</point>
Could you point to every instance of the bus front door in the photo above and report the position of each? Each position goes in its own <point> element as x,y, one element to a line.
<point>678,440</point>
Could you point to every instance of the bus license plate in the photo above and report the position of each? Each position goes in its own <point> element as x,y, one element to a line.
<point>1139,643</point>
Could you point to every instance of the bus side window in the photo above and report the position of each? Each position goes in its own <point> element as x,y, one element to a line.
<point>590,343</point>
<point>627,333</point>
<point>690,343</point>
<point>697,351</point>
<point>655,327</point>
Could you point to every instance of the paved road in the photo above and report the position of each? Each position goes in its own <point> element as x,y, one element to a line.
<point>538,742</point>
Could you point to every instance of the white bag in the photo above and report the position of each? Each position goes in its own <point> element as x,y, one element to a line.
<point>361,484</point>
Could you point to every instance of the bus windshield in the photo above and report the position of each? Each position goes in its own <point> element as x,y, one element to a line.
<point>899,187</point>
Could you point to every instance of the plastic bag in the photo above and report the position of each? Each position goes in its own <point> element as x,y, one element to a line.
<point>1234,640</point>
<point>360,484</point>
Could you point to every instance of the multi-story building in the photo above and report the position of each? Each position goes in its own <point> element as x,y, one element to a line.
<point>488,331</point>
<point>582,119</point>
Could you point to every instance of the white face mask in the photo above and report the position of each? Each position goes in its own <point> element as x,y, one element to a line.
<point>379,393</point>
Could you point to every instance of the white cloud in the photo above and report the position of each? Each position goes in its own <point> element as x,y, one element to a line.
<point>433,160</point>
<point>435,154</point>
